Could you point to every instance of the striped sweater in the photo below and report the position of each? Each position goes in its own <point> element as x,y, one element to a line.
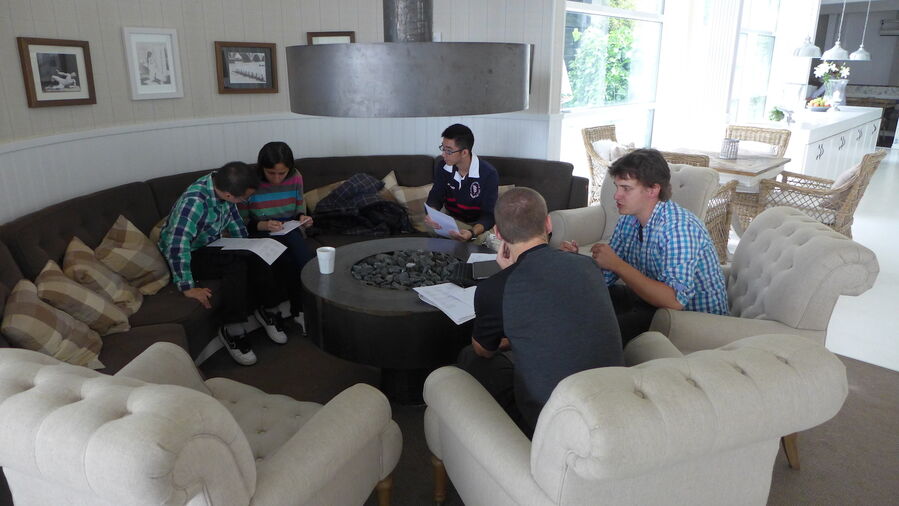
<point>282,201</point>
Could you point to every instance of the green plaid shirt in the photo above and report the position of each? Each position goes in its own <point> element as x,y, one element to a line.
<point>198,218</point>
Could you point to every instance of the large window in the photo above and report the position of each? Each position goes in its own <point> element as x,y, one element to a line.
<point>610,69</point>
<point>755,49</point>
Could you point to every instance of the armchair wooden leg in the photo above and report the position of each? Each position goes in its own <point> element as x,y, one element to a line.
<point>439,480</point>
<point>790,445</point>
<point>384,488</point>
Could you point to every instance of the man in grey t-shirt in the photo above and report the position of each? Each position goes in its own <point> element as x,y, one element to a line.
<point>544,317</point>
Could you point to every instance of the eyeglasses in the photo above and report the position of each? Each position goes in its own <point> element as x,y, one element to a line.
<point>446,150</point>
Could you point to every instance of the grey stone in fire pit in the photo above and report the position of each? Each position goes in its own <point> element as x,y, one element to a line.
<point>405,269</point>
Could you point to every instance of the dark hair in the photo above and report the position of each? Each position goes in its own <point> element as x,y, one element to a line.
<point>520,215</point>
<point>647,166</point>
<point>235,178</point>
<point>461,135</point>
<point>274,153</point>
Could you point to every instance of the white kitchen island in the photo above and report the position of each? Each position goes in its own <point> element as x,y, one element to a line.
<point>824,144</point>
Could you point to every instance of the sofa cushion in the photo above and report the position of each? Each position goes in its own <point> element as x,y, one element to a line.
<point>171,306</point>
<point>81,265</point>
<point>410,170</point>
<point>841,187</point>
<point>313,197</point>
<point>119,349</point>
<point>167,189</point>
<point>86,306</point>
<point>44,235</point>
<point>129,253</point>
<point>414,198</point>
<point>9,275</point>
<point>552,179</point>
<point>31,323</point>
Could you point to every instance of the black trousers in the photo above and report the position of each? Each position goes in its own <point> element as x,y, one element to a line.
<point>634,314</point>
<point>247,282</point>
<point>289,266</point>
<point>497,375</point>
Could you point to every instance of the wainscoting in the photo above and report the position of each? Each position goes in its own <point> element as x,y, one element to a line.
<point>37,172</point>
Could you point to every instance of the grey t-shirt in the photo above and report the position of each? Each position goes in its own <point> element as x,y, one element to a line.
<point>555,309</point>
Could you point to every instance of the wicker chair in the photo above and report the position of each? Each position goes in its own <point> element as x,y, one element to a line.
<point>720,210</point>
<point>808,193</point>
<point>777,137</point>
<point>598,165</point>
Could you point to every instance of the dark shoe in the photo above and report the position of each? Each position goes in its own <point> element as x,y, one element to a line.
<point>272,325</point>
<point>238,347</point>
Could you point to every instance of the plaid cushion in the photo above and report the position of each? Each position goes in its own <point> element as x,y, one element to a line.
<point>98,312</point>
<point>33,324</point>
<point>157,230</point>
<point>128,252</point>
<point>313,197</point>
<point>414,198</point>
<point>389,182</point>
<point>81,265</point>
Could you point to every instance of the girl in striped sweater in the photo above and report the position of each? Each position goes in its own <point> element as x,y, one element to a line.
<point>279,199</point>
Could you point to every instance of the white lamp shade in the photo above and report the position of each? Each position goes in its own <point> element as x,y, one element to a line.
<point>808,50</point>
<point>861,54</point>
<point>836,53</point>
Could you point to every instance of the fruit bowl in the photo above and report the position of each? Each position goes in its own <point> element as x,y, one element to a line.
<point>818,108</point>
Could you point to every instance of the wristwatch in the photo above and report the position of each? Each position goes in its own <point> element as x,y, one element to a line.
<point>473,235</point>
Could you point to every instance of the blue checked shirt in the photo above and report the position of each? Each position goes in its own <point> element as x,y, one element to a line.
<point>675,249</point>
<point>198,218</point>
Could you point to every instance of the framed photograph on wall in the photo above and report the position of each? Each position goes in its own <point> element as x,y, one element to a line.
<point>56,71</point>
<point>246,67</point>
<point>154,63</point>
<point>316,38</point>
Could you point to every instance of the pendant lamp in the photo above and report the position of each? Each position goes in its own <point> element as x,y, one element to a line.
<point>862,54</point>
<point>837,52</point>
<point>808,50</point>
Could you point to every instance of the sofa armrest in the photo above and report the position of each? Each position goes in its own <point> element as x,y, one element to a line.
<point>485,432</point>
<point>584,225</point>
<point>338,434</point>
<point>691,331</point>
<point>165,364</point>
<point>649,346</point>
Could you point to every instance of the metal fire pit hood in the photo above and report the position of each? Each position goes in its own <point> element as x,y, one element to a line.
<point>411,77</point>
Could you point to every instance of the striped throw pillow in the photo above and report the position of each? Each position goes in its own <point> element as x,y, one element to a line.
<point>128,252</point>
<point>313,197</point>
<point>95,310</point>
<point>31,323</point>
<point>414,198</point>
<point>81,265</point>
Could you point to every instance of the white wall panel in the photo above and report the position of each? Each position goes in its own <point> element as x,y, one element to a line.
<point>38,172</point>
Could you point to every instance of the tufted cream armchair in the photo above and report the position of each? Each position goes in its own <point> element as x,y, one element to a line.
<point>156,433</point>
<point>691,188</point>
<point>786,276</point>
<point>699,430</point>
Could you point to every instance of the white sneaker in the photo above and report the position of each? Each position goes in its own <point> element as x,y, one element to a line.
<point>272,326</point>
<point>238,347</point>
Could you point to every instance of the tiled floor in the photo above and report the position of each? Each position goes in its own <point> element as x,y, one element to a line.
<point>867,327</point>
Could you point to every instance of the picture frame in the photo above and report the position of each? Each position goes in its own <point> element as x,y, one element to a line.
<point>56,71</point>
<point>317,38</point>
<point>154,62</point>
<point>246,67</point>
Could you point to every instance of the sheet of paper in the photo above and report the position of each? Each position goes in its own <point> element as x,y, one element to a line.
<point>286,227</point>
<point>266,249</point>
<point>481,257</point>
<point>455,302</point>
<point>446,222</point>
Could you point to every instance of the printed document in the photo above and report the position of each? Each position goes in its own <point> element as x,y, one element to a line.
<point>481,257</point>
<point>446,222</point>
<point>455,301</point>
<point>266,249</point>
<point>286,227</point>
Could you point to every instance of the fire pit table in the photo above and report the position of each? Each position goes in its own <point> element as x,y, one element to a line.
<point>382,327</point>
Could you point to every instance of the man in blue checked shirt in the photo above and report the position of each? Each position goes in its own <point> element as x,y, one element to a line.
<point>661,251</point>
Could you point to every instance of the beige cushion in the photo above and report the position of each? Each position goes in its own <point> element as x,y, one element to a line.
<point>386,193</point>
<point>81,265</point>
<point>610,150</point>
<point>757,148</point>
<point>503,189</point>
<point>129,253</point>
<point>313,197</point>
<point>31,323</point>
<point>98,312</point>
<point>156,231</point>
<point>841,187</point>
<point>414,198</point>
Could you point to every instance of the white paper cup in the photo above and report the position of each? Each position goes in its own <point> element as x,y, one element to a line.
<point>326,256</point>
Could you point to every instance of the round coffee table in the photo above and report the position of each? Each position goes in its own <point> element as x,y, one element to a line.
<point>390,329</point>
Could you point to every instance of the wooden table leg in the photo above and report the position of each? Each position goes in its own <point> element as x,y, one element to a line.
<point>790,445</point>
<point>384,488</point>
<point>439,480</point>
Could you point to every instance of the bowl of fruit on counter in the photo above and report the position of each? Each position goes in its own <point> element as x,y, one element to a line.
<point>818,105</point>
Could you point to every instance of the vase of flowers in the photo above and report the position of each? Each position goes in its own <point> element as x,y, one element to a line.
<point>835,77</point>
